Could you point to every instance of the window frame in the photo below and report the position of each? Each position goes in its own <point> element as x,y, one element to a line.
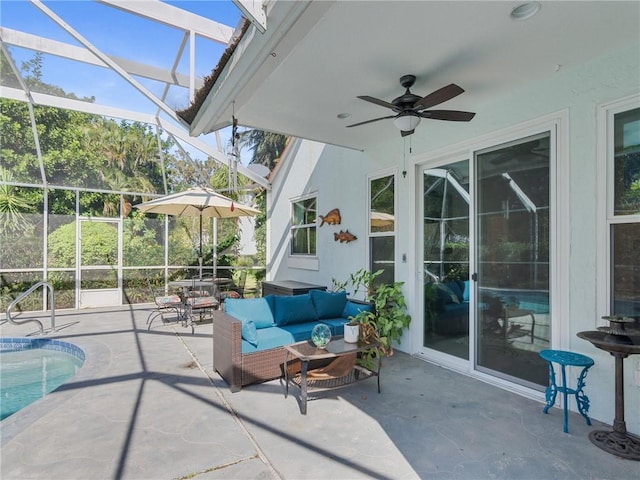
<point>308,226</point>
<point>606,200</point>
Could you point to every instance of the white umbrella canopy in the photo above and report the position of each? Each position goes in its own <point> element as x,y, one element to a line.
<point>197,202</point>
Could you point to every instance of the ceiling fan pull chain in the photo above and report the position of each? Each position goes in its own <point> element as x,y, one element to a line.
<point>404,155</point>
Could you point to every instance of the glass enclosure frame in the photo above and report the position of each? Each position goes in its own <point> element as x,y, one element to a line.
<point>56,254</point>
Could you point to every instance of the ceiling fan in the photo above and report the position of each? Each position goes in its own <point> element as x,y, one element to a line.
<point>410,108</point>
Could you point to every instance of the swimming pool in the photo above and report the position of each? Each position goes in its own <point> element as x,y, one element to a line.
<point>31,368</point>
<point>535,300</point>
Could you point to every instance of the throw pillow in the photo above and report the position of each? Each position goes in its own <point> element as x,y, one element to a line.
<point>465,294</point>
<point>249,332</point>
<point>328,304</point>
<point>294,309</point>
<point>255,309</point>
<point>351,309</point>
<point>445,294</point>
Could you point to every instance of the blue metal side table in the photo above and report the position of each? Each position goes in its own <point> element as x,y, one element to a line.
<point>564,358</point>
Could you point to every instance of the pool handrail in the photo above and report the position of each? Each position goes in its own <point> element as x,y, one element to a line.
<point>23,295</point>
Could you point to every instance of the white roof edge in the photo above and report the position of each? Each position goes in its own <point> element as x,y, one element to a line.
<point>254,50</point>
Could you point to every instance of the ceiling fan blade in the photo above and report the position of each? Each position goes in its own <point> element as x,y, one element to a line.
<point>377,101</point>
<point>451,115</point>
<point>406,133</point>
<point>370,121</point>
<point>439,96</point>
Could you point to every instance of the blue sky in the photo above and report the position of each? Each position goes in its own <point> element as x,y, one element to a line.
<point>115,32</point>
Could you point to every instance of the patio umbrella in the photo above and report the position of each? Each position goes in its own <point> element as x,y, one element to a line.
<point>199,202</point>
<point>381,219</point>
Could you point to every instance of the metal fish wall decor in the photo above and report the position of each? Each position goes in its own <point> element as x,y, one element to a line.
<point>344,237</point>
<point>331,218</point>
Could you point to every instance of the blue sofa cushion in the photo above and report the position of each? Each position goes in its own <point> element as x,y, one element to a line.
<point>255,309</point>
<point>268,338</point>
<point>328,304</point>
<point>447,292</point>
<point>289,310</point>
<point>335,324</point>
<point>351,309</point>
<point>270,301</point>
<point>457,287</point>
<point>300,331</point>
<point>465,293</point>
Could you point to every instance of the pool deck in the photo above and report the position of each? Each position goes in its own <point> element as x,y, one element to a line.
<point>149,405</point>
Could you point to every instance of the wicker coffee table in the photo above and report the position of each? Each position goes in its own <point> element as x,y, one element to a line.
<point>335,367</point>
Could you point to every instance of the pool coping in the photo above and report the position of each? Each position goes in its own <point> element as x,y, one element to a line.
<point>96,355</point>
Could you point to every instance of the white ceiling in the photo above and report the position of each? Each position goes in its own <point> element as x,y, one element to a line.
<point>298,78</point>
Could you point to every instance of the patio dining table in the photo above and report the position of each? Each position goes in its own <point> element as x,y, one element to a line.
<point>191,303</point>
<point>188,283</point>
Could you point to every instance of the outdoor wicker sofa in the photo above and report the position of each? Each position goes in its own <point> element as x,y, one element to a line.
<point>234,367</point>
<point>241,363</point>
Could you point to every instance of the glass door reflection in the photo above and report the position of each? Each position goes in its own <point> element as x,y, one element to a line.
<point>512,252</point>
<point>446,259</point>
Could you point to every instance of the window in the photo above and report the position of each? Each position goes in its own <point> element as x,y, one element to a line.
<point>382,227</point>
<point>624,211</point>
<point>303,226</point>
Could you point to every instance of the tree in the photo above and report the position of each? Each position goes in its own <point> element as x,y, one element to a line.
<point>20,226</point>
<point>266,146</point>
<point>13,206</point>
<point>260,229</point>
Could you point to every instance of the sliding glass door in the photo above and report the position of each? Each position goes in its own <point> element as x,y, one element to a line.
<point>493,211</point>
<point>512,253</point>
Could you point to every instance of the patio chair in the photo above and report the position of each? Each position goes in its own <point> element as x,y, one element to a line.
<point>238,288</point>
<point>242,281</point>
<point>198,308</point>
<point>165,305</point>
<point>201,291</point>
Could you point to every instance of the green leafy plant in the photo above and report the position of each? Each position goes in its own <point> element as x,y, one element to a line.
<point>389,317</point>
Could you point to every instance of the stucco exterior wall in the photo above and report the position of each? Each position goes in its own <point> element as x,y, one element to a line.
<point>339,176</point>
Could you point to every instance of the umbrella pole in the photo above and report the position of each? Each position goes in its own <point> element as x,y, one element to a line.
<point>200,251</point>
<point>215,247</point>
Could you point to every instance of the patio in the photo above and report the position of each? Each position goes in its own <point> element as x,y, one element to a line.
<point>148,404</point>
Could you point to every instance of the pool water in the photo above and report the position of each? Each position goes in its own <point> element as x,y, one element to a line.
<point>33,369</point>
<point>535,300</point>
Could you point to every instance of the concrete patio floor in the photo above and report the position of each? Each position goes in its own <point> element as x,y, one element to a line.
<point>149,405</point>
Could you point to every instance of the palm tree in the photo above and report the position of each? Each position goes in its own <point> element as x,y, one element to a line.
<point>267,146</point>
<point>13,205</point>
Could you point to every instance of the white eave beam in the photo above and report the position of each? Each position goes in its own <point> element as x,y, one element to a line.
<point>175,17</point>
<point>72,52</point>
<point>254,10</point>
<point>114,66</point>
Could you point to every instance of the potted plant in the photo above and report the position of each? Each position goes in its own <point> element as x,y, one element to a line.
<point>351,328</point>
<point>389,317</point>
<point>352,331</point>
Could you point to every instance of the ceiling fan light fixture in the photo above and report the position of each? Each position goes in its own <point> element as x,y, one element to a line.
<point>406,122</point>
<point>525,10</point>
